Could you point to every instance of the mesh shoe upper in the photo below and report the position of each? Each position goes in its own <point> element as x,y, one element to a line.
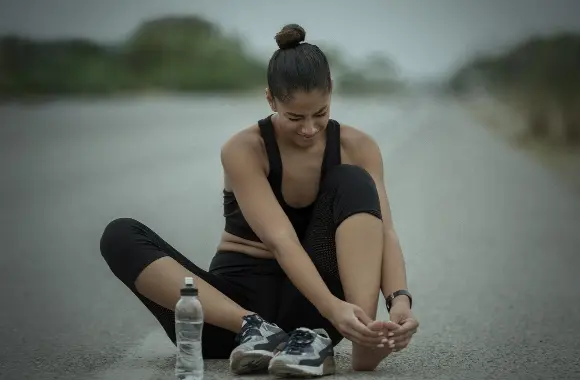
<point>257,334</point>
<point>306,347</point>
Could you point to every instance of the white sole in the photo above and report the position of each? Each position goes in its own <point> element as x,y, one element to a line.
<point>250,361</point>
<point>281,369</point>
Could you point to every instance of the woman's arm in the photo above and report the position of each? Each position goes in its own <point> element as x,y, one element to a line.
<point>240,158</point>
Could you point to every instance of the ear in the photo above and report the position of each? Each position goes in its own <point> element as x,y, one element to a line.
<point>270,100</point>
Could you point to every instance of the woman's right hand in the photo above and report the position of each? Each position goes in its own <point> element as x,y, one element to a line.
<point>351,321</point>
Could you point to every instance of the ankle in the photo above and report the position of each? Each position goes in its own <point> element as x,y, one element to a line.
<point>235,325</point>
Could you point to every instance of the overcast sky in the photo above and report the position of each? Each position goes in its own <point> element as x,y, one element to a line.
<point>425,37</point>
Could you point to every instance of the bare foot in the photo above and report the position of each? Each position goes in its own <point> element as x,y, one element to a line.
<point>368,358</point>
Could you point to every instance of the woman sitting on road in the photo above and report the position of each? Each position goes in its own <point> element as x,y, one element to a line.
<point>308,242</point>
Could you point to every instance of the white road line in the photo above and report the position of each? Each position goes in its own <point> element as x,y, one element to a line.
<point>152,359</point>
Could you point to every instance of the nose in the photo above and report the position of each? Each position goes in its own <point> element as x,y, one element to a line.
<point>309,129</point>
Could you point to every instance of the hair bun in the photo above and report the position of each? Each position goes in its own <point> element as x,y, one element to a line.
<point>290,36</point>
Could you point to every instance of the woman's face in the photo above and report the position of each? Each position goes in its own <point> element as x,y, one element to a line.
<point>303,118</point>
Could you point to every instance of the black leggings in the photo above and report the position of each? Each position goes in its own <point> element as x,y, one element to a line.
<point>258,285</point>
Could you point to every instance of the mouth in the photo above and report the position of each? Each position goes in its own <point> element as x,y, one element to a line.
<point>308,137</point>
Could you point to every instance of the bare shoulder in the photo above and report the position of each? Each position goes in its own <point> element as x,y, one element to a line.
<point>247,138</point>
<point>246,144</point>
<point>360,147</point>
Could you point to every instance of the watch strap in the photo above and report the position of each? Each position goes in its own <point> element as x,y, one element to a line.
<point>389,299</point>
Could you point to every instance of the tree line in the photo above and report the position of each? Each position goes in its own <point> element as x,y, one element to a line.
<point>539,78</point>
<point>177,54</point>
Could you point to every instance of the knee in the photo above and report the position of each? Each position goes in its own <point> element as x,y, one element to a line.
<point>350,179</point>
<point>115,237</point>
<point>354,191</point>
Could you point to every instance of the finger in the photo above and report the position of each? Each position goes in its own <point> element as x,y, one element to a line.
<point>390,325</point>
<point>365,331</point>
<point>359,331</point>
<point>375,326</point>
<point>407,326</point>
<point>402,345</point>
<point>393,342</point>
<point>354,337</point>
<point>361,322</point>
<point>386,328</point>
<point>358,338</point>
<point>399,340</point>
<point>403,342</point>
<point>406,335</point>
<point>379,327</point>
<point>362,316</point>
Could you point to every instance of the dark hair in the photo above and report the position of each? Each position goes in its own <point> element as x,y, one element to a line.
<point>296,65</point>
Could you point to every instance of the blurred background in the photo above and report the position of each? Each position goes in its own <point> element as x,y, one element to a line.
<point>119,109</point>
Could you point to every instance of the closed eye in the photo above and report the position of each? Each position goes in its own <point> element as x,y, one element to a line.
<point>298,119</point>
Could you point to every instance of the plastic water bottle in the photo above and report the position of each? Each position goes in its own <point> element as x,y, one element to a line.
<point>188,331</point>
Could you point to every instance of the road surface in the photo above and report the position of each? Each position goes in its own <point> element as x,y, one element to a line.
<point>489,236</point>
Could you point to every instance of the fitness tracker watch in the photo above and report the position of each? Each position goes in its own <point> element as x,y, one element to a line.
<point>389,299</point>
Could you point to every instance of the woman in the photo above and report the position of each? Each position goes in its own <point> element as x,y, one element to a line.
<point>308,241</point>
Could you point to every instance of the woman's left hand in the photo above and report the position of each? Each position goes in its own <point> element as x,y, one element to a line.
<point>401,315</point>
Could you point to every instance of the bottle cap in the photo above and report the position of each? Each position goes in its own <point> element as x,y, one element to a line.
<point>189,289</point>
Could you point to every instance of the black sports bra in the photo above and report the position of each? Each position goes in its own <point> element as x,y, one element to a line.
<point>236,224</point>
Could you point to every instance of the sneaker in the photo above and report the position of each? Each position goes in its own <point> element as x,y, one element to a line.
<point>307,353</point>
<point>258,340</point>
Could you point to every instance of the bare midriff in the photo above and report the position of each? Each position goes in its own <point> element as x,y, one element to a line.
<point>235,243</point>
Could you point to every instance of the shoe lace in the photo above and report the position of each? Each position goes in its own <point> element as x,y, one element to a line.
<point>243,335</point>
<point>253,323</point>
<point>298,340</point>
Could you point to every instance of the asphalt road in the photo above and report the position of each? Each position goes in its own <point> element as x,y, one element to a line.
<point>489,236</point>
